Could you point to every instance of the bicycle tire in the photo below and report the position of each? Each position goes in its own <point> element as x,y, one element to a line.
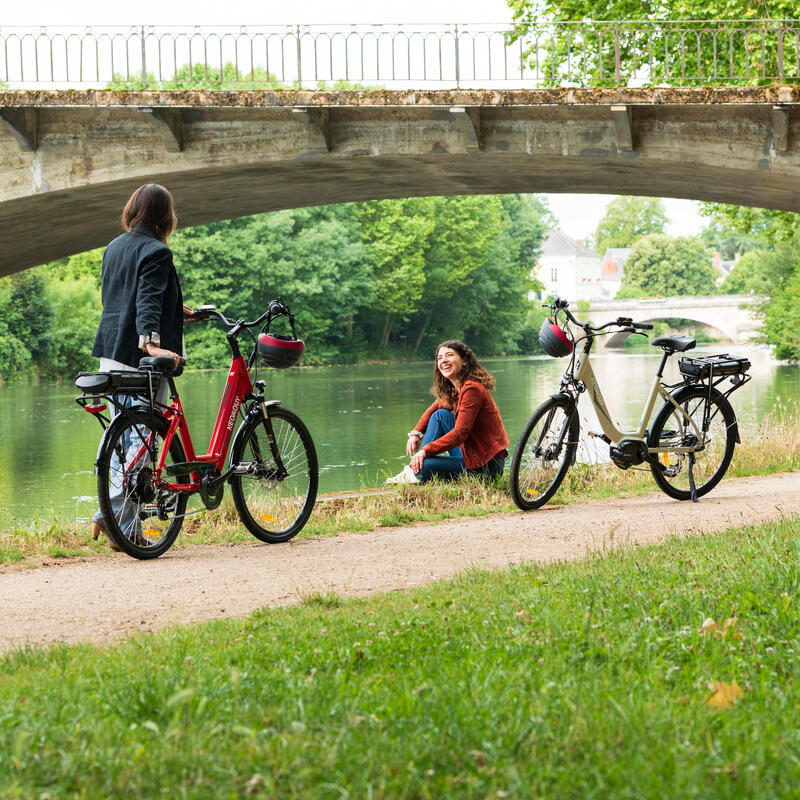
<point>671,473</point>
<point>137,498</point>
<point>536,471</point>
<point>259,497</point>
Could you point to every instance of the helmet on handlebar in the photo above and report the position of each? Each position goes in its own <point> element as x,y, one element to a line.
<point>279,351</point>
<point>553,340</point>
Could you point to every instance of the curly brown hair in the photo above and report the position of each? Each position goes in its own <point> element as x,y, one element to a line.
<point>472,370</point>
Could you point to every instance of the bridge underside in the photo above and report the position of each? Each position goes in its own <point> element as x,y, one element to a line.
<point>68,169</point>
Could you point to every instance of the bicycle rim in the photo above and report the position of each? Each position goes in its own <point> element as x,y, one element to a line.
<point>142,517</point>
<point>672,429</point>
<point>273,506</point>
<point>544,453</point>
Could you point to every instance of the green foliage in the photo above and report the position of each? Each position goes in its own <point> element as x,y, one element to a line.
<point>773,272</point>
<point>201,76</point>
<point>25,326</point>
<point>697,53</point>
<point>660,266</point>
<point>757,226</point>
<point>745,275</point>
<point>627,219</point>
<point>361,278</point>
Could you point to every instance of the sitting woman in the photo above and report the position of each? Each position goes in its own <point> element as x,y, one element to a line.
<point>463,420</point>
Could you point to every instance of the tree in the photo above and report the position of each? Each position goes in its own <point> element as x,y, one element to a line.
<point>758,226</point>
<point>664,267</point>
<point>627,219</point>
<point>745,276</point>
<point>604,50</point>
<point>458,244</point>
<point>395,234</point>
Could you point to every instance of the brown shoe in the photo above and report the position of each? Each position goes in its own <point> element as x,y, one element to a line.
<point>97,529</point>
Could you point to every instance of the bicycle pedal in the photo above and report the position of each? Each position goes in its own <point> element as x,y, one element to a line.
<point>601,436</point>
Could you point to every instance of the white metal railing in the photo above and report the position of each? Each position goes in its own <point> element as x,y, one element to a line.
<point>681,52</point>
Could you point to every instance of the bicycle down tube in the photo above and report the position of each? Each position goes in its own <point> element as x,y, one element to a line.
<point>585,374</point>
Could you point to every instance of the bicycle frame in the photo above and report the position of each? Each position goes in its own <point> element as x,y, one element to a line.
<point>237,386</point>
<point>584,374</point>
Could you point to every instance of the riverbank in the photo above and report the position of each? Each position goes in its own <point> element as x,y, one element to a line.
<point>773,448</point>
<point>104,597</point>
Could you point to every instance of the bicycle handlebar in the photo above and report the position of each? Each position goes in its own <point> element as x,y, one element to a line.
<point>560,304</point>
<point>276,308</point>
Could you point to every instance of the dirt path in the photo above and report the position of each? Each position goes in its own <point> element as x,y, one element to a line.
<point>104,598</point>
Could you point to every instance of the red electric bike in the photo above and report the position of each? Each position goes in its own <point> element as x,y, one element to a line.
<point>146,464</point>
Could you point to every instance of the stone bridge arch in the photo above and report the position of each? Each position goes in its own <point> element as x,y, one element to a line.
<point>69,159</point>
<point>730,317</point>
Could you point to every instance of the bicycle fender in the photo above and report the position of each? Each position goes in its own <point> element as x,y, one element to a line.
<point>679,394</point>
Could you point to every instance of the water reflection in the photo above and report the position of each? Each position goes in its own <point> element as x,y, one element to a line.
<point>358,417</point>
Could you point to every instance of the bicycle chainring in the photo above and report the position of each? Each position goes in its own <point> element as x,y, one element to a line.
<point>211,498</point>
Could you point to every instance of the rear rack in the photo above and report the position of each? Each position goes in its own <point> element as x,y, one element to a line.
<point>710,367</point>
<point>713,370</point>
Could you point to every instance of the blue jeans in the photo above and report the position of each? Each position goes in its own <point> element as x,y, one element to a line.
<point>451,466</point>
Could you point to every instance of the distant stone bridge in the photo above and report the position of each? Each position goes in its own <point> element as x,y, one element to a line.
<point>70,159</point>
<point>727,316</point>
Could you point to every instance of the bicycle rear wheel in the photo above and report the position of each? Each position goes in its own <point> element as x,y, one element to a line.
<point>274,500</point>
<point>671,428</point>
<point>544,453</point>
<point>142,518</point>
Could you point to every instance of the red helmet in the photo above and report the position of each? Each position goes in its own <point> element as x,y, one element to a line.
<point>279,351</point>
<point>553,340</point>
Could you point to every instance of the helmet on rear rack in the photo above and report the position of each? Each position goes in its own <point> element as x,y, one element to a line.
<point>279,351</point>
<point>553,340</point>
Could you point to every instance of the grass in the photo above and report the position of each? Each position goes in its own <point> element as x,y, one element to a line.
<point>773,447</point>
<point>592,679</point>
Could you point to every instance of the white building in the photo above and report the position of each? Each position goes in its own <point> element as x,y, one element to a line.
<point>569,269</point>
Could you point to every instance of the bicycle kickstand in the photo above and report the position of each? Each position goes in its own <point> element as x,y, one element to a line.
<point>692,487</point>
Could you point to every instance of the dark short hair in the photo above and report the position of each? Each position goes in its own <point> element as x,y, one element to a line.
<point>151,206</point>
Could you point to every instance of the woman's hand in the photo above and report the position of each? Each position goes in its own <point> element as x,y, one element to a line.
<point>188,313</point>
<point>412,445</point>
<point>417,460</point>
<point>154,351</point>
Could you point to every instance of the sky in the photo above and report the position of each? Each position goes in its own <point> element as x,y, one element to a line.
<point>578,214</point>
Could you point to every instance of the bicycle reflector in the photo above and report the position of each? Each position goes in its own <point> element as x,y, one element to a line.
<point>553,340</point>
<point>279,351</point>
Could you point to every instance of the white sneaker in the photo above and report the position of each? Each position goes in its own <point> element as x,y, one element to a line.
<point>406,476</point>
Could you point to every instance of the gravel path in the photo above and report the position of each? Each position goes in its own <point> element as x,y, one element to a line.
<point>106,598</point>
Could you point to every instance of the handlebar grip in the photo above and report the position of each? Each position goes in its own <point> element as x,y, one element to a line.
<point>645,326</point>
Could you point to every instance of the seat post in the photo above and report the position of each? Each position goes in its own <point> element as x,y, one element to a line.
<point>667,354</point>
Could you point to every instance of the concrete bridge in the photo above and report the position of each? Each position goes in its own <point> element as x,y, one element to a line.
<point>69,159</point>
<point>727,316</point>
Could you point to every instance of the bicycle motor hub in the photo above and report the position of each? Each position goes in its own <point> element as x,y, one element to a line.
<point>628,453</point>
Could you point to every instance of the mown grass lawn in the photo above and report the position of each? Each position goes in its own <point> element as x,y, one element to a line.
<point>591,679</point>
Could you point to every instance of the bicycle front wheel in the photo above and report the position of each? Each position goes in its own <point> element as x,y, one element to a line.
<point>712,450</point>
<point>141,516</point>
<point>544,453</point>
<point>273,496</point>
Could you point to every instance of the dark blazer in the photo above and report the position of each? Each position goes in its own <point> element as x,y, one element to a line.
<point>141,295</point>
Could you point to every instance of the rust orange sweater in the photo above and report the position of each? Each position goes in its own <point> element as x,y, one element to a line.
<point>479,429</point>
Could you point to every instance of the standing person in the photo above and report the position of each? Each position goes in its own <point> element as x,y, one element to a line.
<point>463,420</point>
<point>143,310</point>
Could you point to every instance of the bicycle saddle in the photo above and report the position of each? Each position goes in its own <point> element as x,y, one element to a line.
<point>678,344</point>
<point>164,364</point>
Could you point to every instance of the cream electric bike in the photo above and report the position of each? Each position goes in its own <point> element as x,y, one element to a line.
<point>689,445</point>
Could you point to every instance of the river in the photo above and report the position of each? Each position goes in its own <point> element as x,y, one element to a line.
<point>358,416</point>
